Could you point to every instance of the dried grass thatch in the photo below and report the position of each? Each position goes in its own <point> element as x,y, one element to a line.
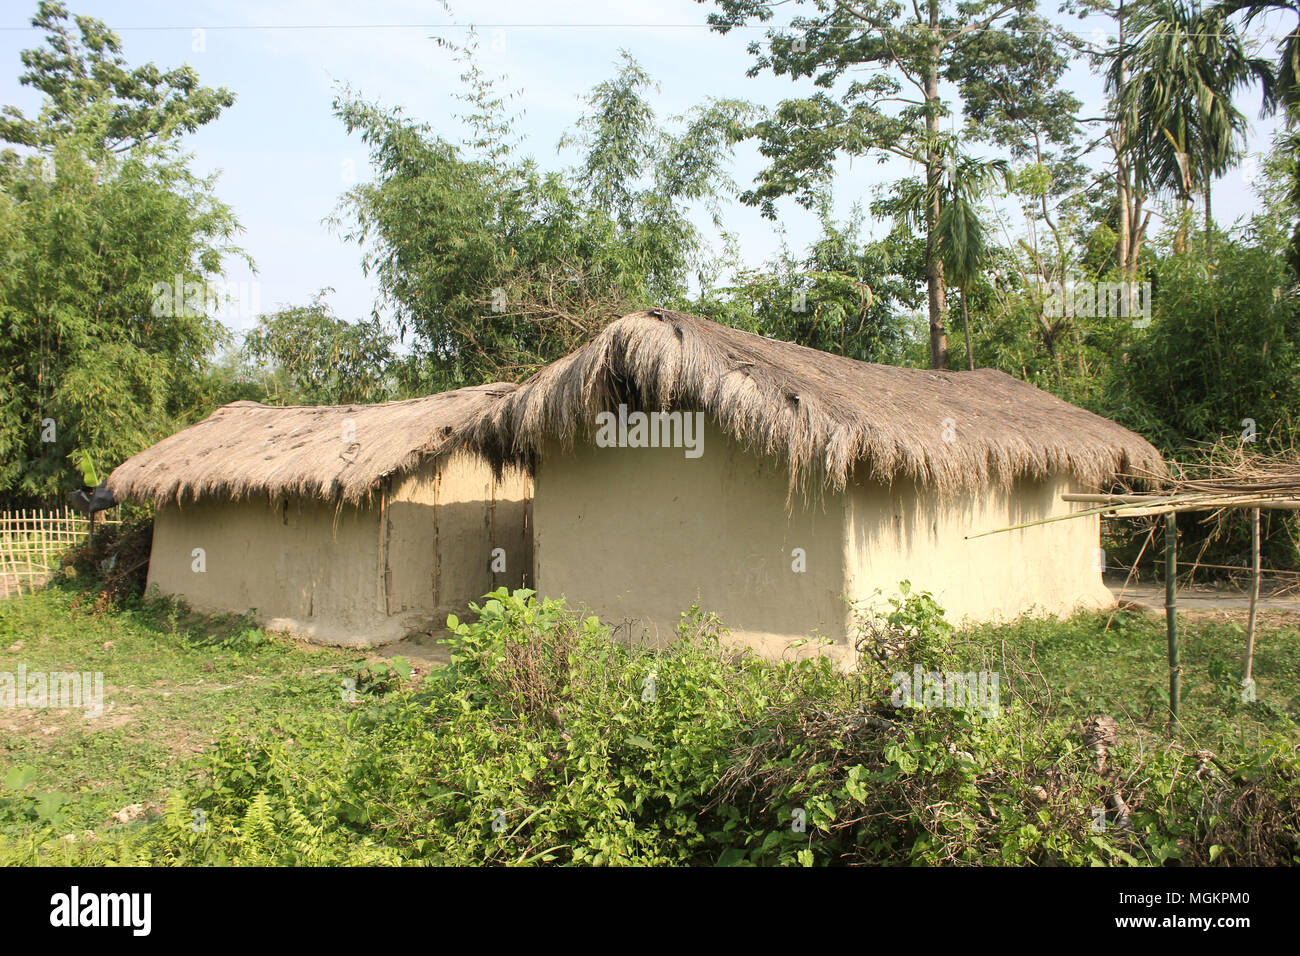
<point>821,413</point>
<point>246,449</point>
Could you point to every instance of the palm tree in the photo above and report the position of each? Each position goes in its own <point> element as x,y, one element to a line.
<point>959,235</point>
<point>1285,89</point>
<point>963,239</point>
<point>1173,87</point>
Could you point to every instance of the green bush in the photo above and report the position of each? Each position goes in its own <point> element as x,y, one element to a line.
<point>546,740</point>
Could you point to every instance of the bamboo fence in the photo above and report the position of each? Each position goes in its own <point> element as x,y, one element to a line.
<point>32,542</point>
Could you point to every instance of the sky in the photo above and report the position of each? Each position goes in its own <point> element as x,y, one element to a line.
<point>284,159</point>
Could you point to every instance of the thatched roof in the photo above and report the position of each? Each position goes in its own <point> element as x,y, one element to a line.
<point>819,412</point>
<point>329,451</point>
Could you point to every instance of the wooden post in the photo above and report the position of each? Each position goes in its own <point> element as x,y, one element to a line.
<point>1171,615</point>
<point>1254,595</point>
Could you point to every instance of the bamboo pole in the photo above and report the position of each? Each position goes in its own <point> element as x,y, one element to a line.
<point>1115,499</point>
<point>1139,511</point>
<point>1189,502</point>
<point>1171,616</point>
<point>1140,508</point>
<point>14,569</point>
<point>1104,510</point>
<point>1254,595</point>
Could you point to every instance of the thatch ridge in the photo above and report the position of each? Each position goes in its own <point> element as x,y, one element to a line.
<point>821,413</point>
<point>245,448</point>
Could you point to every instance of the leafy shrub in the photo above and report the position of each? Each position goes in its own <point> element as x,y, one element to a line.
<point>117,556</point>
<point>548,741</point>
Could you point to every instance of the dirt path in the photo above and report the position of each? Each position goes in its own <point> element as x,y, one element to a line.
<point>1204,599</point>
<point>420,650</point>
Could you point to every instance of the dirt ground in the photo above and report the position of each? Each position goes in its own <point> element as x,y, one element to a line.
<point>1222,603</point>
<point>421,651</point>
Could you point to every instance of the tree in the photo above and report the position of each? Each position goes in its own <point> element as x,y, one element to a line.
<point>896,111</point>
<point>1222,347</point>
<point>1285,88</point>
<point>1173,85</point>
<point>1014,100</point>
<point>93,94</point>
<point>1130,214</point>
<point>1284,93</point>
<point>98,213</point>
<point>305,355</point>
<point>497,267</point>
<point>842,295</point>
<point>963,239</point>
<point>960,235</point>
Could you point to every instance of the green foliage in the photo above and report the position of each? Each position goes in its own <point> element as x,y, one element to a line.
<point>1221,348</point>
<point>115,557</point>
<point>1277,225</point>
<point>877,69</point>
<point>379,677</point>
<point>307,356</point>
<point>547,741</point>
<point>1173,86</point>
<point>922,619</point>
<point>1284,90</point>
<point>497,266</point>
<point>172,680</point>
<point>89,476</point>
<point>93,95</point>
<point>844,295</point>
<point>98,208</point>
<point>20,800</point>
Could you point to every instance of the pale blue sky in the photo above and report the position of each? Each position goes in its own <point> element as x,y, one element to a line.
<point>284,158</point>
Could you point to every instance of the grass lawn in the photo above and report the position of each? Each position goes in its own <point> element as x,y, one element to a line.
<point>1117,663</point>
<point>171,681</point>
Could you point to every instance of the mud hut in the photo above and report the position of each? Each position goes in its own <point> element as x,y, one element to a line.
<point>350,524</point>
<point>677,461</point>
